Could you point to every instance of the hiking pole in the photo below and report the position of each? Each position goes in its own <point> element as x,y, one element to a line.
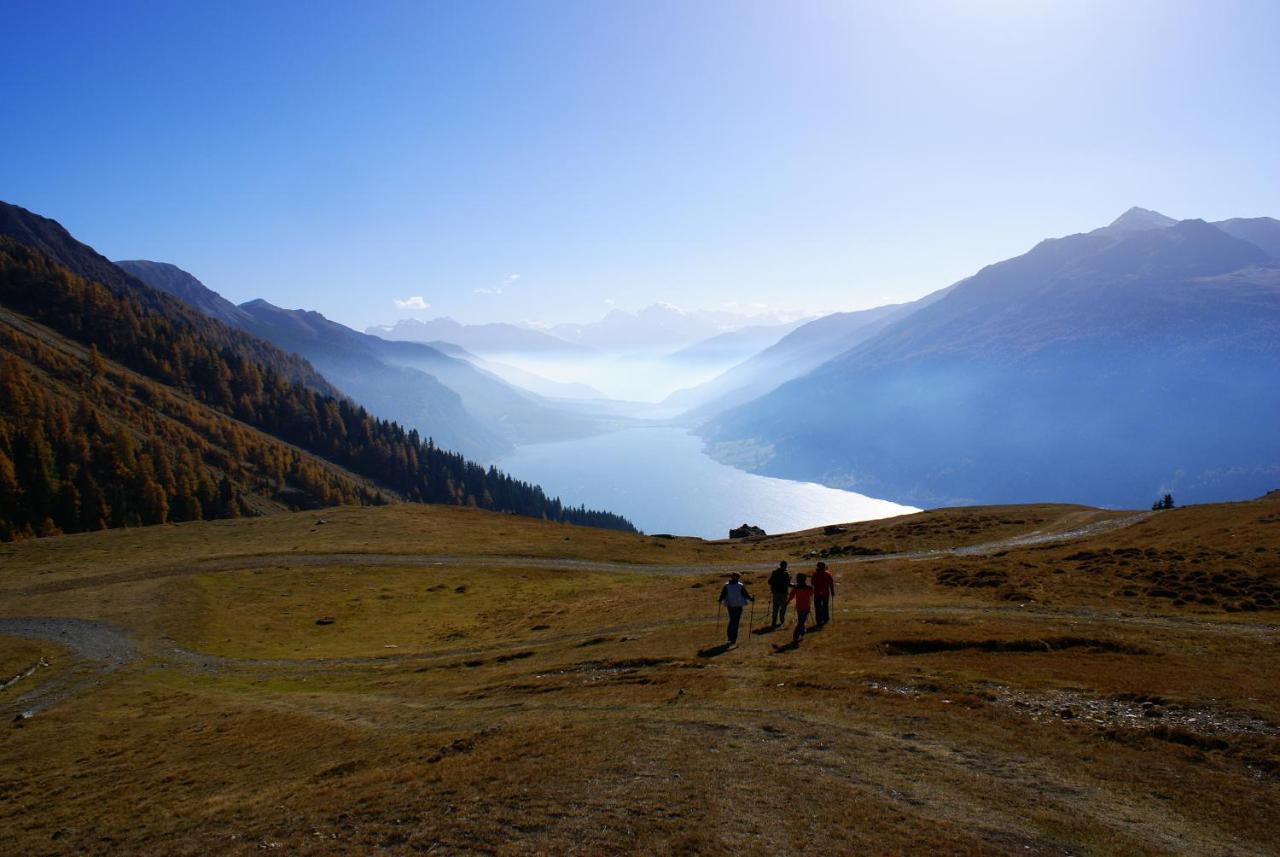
<point>751,623</point>
<point>719,606</point>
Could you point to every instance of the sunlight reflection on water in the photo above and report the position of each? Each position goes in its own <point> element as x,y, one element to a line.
<point>662,480</point>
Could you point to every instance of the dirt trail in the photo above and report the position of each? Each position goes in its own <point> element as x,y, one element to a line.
<point>1037,537</point>
<point>97,650</point>
<point>306,560</point>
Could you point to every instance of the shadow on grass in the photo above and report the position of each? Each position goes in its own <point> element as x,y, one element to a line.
<point>788,647</point>
<point>766,629</point>
<point>715,651</point>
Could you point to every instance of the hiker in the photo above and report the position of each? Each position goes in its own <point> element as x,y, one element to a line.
<point>780,588</point>
<point>802,595</point>
<point>824,588</point>
<point>734,596</point>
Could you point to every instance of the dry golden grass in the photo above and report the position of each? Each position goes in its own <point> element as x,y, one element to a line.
<point>937,528</point>
<point>583,710</point>
<point>17,655</point>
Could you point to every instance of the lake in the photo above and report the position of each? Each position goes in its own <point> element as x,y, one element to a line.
<point>661,480</point>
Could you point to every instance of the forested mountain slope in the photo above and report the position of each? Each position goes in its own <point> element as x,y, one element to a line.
<point>54,243</point>
<point>218,415</point>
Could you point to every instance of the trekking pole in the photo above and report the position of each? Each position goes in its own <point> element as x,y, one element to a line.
<point>751,623</point>
<point>719,607</point>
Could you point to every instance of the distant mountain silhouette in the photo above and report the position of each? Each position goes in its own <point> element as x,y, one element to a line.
<point>1262,232</point>
<point>482,339</point>
<point>735,345</point>
<point>656,326</point>
<point>521,378</point>
<point>1106,367</point>
<point>800,351</point>
<point>659,326</point>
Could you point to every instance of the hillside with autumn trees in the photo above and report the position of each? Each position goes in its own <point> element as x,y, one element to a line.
<point>121,406</point>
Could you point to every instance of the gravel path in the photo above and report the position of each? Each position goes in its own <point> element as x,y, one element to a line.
<point>96,650</point>
<point>304,560</point>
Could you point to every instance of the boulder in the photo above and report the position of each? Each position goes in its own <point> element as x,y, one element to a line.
<point>746,531</point>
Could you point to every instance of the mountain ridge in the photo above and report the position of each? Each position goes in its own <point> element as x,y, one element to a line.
<point>235,392</point>
<point>1066,352</point>
<point>464,406</point>
<point>484,339</point>
<point>1138,219</point>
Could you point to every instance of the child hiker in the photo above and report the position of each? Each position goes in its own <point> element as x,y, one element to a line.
<point>802,595</point>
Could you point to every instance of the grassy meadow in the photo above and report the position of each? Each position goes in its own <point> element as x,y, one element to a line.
<point>414,679</point>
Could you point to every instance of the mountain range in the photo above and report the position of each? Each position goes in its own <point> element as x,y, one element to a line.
<point>1106,367</point>
<point>483,339</point>
<point>734,346</point>
<point>662,326</point>
<point>121,404</point>
<point>659,327</point>
<point>448,398</point>
<point>796,353</point>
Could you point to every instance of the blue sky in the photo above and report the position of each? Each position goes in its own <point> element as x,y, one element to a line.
<point>806,156</point>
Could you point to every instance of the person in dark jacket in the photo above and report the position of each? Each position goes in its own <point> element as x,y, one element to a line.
<point>734,596</point>
<point>824,589</point>
<point>780,588</point>
<point>802,595</point>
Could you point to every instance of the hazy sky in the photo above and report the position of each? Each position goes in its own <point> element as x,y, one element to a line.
<point>802,155</point>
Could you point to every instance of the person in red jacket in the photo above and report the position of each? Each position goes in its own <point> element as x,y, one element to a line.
<point>802,595</point>
<point>824,589</point>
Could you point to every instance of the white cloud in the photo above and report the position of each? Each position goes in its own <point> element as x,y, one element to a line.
<point>507,281</point>
<point>415,302</point>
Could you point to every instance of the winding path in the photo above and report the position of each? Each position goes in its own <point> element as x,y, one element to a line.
<point>98,649</point>
<point>307,560</point>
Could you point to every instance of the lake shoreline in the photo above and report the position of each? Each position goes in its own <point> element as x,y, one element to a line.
<point>663,479</point>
